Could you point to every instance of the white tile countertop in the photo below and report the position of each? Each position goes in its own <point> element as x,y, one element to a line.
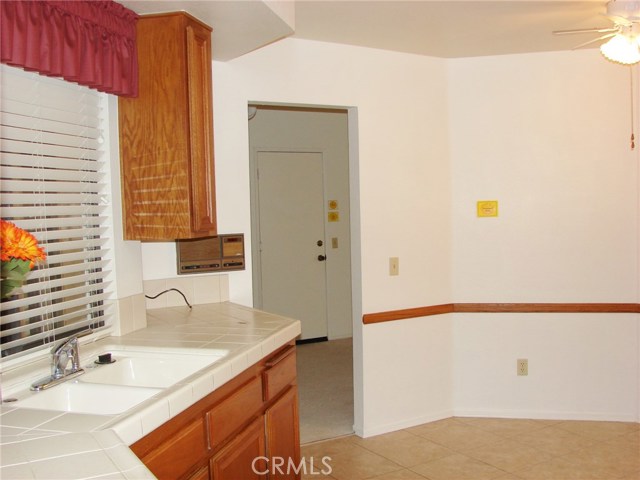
<point>47,444</point>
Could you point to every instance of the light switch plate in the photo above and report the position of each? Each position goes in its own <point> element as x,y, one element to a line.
<point>394,266</point>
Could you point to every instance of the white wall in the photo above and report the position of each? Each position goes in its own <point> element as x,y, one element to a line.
<point>547,135</point>
<point>404,187</point>
<point>404,177</point>
<point>408,374</point>
<point>580,366</point>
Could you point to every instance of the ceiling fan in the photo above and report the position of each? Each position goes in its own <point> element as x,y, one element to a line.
<point>623,45</point>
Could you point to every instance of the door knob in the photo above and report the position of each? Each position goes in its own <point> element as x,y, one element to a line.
<point>322,258</point>
<point>319,243</point>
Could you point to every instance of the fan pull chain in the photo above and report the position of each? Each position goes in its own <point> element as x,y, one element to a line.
<point>633,137</point>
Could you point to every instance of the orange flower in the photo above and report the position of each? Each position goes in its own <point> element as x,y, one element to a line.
<point>17,243</point>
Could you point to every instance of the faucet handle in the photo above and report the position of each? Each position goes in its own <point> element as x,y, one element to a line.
<point>58,346</point>
<point>65,351</point>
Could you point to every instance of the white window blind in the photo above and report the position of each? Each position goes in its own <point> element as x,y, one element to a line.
<point>52,169</point>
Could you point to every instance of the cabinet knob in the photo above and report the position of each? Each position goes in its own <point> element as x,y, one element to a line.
<point>322,258</point>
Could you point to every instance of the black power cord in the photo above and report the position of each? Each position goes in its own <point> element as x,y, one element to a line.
<point>170,290</point>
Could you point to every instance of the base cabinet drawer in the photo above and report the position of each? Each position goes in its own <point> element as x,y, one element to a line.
<point>280,372</point>
<point>227,417</point>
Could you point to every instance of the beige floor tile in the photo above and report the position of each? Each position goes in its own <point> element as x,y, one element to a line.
<point>404,474</point>
<point>633,476</point>
<point>329,447</point>
<point>463,448</point>
<point>598,430</point>
<point>562,469</point>
<point>403,448</point>
<point>315,475</point>
<point>509,455</point>
<point>458,467</point>
<point>438,424</point>
<point>506,427</point>
<point>459,437</point>
<point>619,461</point>
<point>360,464</point>
<point>317,467</point>
<point>554,441</point>
<point>628,440</point>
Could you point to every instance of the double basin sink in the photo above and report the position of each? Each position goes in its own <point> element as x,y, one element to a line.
<point>132,377</point>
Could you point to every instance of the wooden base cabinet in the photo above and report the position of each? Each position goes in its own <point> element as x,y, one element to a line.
<point>283,436</point>
<point>248,429</point>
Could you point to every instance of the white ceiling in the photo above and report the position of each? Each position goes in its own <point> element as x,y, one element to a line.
<point>445,28</point>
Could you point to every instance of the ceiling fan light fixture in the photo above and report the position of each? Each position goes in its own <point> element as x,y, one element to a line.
<point>623,49</point>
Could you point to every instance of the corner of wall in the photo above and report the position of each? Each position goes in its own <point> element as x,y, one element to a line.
<point>130,315</point>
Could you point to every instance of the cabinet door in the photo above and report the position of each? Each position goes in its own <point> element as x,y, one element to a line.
<point>178,454</point>
<point>202,474</point>
<point>203,209</point>
<point>283,436</point>
<point>244,457</point>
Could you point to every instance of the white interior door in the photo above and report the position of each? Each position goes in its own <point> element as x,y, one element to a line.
<point>292,250</point>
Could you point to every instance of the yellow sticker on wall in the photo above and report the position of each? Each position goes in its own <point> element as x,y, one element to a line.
<point>333,216</point>
<point>487,208</point>
<point>333,204</point>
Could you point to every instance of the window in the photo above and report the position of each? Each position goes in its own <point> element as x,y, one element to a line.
<point>53,167</point>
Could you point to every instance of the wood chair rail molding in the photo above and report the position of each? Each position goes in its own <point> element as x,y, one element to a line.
<point>407,313</point>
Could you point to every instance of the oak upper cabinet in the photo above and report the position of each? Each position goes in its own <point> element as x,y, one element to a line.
<point>166,133</point>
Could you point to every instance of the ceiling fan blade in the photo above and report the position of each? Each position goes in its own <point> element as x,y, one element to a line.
<point>586,30</point>
<point>608,35</point>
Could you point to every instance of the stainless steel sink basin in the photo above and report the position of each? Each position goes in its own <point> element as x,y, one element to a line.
<point>74,396</point>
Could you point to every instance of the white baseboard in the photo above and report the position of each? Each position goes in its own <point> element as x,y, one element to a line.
<point>392,427</point>
<point>547,415</point>
<point>371,431</point>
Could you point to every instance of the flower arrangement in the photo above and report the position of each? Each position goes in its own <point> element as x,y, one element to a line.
<point>19,251</point>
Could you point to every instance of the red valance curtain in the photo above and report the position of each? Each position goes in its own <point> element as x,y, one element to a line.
<point>92,43</point>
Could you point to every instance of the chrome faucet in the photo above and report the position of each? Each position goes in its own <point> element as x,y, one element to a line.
<point>61,355</point>
<point>64,352</point>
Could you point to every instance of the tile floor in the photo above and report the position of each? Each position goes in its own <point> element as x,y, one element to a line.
<point>462,448</point>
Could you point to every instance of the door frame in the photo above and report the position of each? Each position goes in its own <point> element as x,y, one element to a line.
<point>256,262</point>
<point>356,247</point>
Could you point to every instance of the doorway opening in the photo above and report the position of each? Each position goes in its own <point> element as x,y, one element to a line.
<point>301,250</point>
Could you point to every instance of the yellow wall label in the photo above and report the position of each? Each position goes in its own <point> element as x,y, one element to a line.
<point>487,208</point>
<point>333,216</point>
<point>333,204</point>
